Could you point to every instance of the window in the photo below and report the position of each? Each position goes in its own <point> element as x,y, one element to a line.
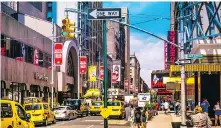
<point>29,56</point>
<point>113,103</point>
<point>33,107</point>
<point>45,106</point>
<point>6,110</point>
<point>131,80</point>
<point>40,58</point>
<point>21,112</point>
<point>37,5</point>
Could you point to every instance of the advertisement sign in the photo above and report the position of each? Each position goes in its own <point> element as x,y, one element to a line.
<point>35,57</point>
<point>114,77</point>
<point>117,71</point>
<point>165,55</point>
<point>143,98</point>
<point>126,83</point>
<point>171,49</point>
<point>102,72</point>
<point>83,64</point>
<point>157,79</point>
<point>58,54</point>
<point>92,73</point>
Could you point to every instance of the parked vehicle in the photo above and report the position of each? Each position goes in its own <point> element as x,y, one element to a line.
<point>96,107</point>
<point>41,113</point>
<point>64,113</point>
<point>13,115</point>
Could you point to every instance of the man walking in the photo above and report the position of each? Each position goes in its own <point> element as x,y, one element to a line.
<point>131,116</point>
<point>205,105</point>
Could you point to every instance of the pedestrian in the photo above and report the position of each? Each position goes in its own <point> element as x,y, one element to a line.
<point>127,109</point>
<point>176,107</point>
<point>217,109</point>
<point>205,105</point>
<point>131,117</point>
<point>200,119</point>
<point>137,119</point>
<point>166,107</point>
<point>144,118</point>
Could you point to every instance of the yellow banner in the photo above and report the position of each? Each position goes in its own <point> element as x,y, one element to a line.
<point>92,73</point>
<point>189,81</point>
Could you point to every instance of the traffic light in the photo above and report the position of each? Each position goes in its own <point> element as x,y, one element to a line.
<point>67,30</point>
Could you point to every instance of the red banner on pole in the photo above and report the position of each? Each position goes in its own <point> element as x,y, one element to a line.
<point>83,64</point>
<point>58,54</point>
<point>102,72</point>
<point>114,77</point>
<point>126,83</point>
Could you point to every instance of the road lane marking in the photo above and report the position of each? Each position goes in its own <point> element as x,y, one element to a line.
<point>90,126</point>
<point>93,120</point>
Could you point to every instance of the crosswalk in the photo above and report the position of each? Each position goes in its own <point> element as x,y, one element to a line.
<point>114,122</point>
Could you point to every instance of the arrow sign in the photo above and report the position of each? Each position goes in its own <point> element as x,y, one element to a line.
<point>183,61</point>
<point>104,13</point>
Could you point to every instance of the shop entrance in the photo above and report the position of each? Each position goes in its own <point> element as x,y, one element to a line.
<point>3,88</point>
<point>35,91</point>
<point>210,89</point>
<point>17,92</point>
<point>46,94</point>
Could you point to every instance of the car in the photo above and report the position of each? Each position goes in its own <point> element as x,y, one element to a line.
<point>13,115</point>
<point>64,113</point>
<point>96,107</point>
<point>41,113</point>
<point>116,109</point>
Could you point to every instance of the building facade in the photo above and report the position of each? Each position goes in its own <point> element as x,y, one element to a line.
<point>134,74</point>
<point>26,53</point>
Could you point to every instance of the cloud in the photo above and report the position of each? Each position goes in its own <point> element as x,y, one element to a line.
<point>149,52</point>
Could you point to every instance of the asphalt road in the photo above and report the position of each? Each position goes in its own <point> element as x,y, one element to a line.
<point>88,122</point>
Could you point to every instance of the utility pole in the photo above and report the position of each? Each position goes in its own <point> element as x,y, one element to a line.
<point>79,53</point>
<point>182,57</point>
<point>105,68</point>
<point>52,66</point>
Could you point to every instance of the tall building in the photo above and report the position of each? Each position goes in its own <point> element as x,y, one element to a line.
<point>134,74</point>
<point>116,50</point>
<point>126,19</point>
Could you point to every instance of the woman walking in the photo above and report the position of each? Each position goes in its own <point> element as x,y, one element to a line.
<point>144,118</point>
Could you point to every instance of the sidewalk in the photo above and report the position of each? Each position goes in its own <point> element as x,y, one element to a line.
<point>160,121</point>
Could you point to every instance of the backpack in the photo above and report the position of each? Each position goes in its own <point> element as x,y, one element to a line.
<point>137,115</point>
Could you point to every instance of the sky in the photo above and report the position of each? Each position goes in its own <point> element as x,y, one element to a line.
<point>155,18</point>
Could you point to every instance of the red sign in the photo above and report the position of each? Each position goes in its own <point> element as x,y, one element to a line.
<point>114,77</point>
<point>36,57</point>
<point>83,64</point>
<point>101,72</point>
<point>20,59</point>
<point>3,51</point>
<point>126,83</point>
<point>58,53</point>
<point>171,49</point>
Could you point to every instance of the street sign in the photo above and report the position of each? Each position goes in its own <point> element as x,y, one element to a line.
<point>104,113</point>
<point>104,13</point>
<point>194,56</point>
<point>58,54</point>
<point>183,61</point>
<point>83,64</point>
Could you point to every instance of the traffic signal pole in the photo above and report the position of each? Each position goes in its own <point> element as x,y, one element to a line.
<point>105,68</point>
<point>52,66</point>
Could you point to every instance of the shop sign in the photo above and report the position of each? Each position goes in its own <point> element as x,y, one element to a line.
<point>36,57</point>
<point>39,76</point>
<point>102,72</point>
<point>114,77</point>
<point>92,73</point>
<point>83,64</point>
<point>58,54</point>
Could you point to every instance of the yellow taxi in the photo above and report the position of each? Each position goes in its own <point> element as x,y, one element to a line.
<point>116,109</point>
<point>13,115</point>
<point>96,107</point>
<point>41,113</point>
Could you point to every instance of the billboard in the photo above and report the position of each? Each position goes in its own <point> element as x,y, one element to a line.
<point>117,71</point>
<point>92,73</point>
<point>58,53</point>
<point>83,64</point>
<point>157,79</point>
<point>171,51</point>
<point>165,55</point>
<point>143,98</point>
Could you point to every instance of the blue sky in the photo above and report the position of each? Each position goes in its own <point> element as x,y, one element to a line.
<point>145,15</point>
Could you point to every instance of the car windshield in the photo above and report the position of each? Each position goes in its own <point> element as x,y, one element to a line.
<point>71,103</point>
<point>113,103</point>
<point>6,110</point>
<point>33,107</point>
<point>96,103</point>
<point>59,108</point>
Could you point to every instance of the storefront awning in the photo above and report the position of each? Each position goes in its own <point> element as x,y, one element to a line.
<point>197,68</point>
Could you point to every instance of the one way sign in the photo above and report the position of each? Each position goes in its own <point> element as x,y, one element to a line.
<point>104,13</point>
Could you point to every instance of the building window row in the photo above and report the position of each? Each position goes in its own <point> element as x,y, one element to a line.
<point>22,52</point>
<point>37,5</point>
